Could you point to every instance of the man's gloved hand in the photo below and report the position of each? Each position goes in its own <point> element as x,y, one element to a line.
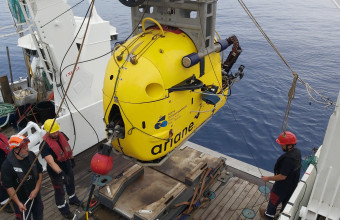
<point>73,163</point>
<point>64,177</point>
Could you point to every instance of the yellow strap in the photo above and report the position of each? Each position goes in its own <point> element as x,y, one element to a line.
<point>29,66</point>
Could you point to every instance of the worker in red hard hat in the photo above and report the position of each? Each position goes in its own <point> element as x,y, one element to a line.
<point>286,175</point>
<point>27,200</point>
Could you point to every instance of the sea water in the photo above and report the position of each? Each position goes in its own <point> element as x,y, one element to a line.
<point>307,34</point>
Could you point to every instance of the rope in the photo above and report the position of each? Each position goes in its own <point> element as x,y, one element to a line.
<point>28,213</point>
<point>59,109</point>
<point>323,100</point>
<point>6,108</point>
<point>6,121</point>
<point>291,94</point>
<point>61,14</point>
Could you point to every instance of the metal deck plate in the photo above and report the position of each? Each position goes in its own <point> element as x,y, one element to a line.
<point>248,213</point>
<point>264,189</point>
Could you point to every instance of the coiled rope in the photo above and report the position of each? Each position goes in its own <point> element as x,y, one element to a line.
<point>6,108</point>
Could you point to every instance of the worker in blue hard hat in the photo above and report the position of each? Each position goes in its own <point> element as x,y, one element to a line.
<point>60,162</point>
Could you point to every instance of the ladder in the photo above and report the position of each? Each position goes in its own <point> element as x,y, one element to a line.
<point>41,47</point>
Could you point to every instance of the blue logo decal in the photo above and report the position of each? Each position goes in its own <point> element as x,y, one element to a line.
<point>161,123</point>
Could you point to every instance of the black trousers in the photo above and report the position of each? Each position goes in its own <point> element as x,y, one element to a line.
<point>59,192</point>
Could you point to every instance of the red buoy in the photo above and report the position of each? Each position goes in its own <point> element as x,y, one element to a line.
<point>101,164</point>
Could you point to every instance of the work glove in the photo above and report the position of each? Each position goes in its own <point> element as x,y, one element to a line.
<point>64,177</point>
<point>73,163</point>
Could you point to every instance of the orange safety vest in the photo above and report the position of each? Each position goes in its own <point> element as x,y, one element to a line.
<point>62,152</point>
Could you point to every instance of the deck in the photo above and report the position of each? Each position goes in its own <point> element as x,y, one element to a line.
<point>233,193</point>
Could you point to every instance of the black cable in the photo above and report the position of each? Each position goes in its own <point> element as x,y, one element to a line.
<point>252,155</point>
<point>85,61</point>
<point>60,81</point>
<point>114,91</point>
<point>61,14</point>
<point>147,4</point>
<point>62,87</point>
<point>120,146</point>
<point>133,127</point>
<point>209,55</point>
<point>88,61</point>
<point>138,103</point>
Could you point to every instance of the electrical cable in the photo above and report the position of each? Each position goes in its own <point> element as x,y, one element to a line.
<point>60,82</point>
<point>244,139</point>
<point>219,83</point>
<point>147,4</point>
<point>61,14</point>
<point>63,90</point>
<point>114,57</point>
<point>59,109</point>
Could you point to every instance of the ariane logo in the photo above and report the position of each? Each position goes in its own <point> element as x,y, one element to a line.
<point>161,123</point>
<point>174,141</point>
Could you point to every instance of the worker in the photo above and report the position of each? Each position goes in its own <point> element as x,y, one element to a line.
<point>27,200</point>
<point>4,150</point>
<point>60,162</point>
<point>286,175</point>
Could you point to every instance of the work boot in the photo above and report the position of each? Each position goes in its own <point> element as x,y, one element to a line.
<point>74,201</point>
<point>263,215</point>
<point>277,216</point>
<point>68,215</point>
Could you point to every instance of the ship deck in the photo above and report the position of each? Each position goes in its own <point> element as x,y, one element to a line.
<point>233,192</point>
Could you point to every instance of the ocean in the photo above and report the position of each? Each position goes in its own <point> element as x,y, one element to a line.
<point>306,33</point>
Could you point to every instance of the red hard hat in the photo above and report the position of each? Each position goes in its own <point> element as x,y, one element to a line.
<point>286,138</point>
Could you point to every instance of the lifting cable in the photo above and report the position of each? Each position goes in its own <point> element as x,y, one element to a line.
<point>322,99</point>
<point>59,109</point>
<point>250,151</point>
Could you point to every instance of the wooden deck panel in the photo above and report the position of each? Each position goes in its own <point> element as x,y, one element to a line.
<point>227,213</point>
<point>220,194</point>
<point>244,204</point>
<point>231,197</point>
<point>227,200</point>
<point>230,201</point>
